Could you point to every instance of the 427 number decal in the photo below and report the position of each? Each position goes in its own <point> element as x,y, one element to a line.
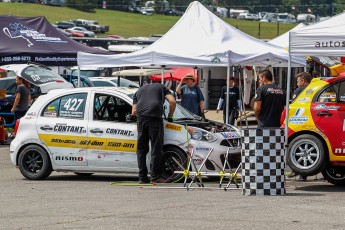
<point>72,104</point>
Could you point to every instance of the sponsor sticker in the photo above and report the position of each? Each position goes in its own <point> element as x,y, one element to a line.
<point>228,135</point>
<point>325,107</point>
<point>173,127</point>
<point>304,99</point>
<point>297,118</point>
<point>69,141</point>
<point>309,91</point>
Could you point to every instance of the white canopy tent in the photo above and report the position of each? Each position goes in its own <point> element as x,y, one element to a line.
<point>201,39</point>
<point>325,38</point>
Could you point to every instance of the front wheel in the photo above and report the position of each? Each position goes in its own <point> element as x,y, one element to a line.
<point>170,156</point>
<point>306,155</point>
<point>34,163</point>
<point>335,175</point>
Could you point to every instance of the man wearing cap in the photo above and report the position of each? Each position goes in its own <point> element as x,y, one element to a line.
<point>191,95</point>
<point>234,98</point>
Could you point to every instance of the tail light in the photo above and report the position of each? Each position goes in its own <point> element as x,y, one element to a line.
<point>16,126</point>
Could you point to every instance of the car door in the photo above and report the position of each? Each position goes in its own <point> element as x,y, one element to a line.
<point>112,142</point>
<point>329,115</point>
<point>62,127</point>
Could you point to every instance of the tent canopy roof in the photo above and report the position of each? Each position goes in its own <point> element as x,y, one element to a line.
<point>199,38</point>
<point>35,39</point>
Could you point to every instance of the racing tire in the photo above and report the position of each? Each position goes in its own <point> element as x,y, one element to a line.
<point>334,174</point>
<point>34,163</point>
<point>306,155</point>
<point>169,165</point>
<point>83,174</point>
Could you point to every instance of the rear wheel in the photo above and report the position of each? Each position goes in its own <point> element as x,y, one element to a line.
<point>34,163</point>
<point>170,156</point>
<point>306,155</point>
<point>335,175</point>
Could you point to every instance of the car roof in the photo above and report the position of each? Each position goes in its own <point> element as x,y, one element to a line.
<point>122,90</point>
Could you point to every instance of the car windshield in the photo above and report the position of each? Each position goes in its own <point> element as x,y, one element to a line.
<point>180,112</point>
<point>86,73</point>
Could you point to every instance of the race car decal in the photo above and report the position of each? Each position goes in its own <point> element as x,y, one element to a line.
<point>304,99</point>
<point>339,151</point>
<point>309,91</point>
<point>68,141</point>
<point>120,132</point>
<point>173,127</point>
<point>68,158</point>
<point>69,128</point>
<point>325,107</point>
<point>229,135</point>
<point>298,118</point>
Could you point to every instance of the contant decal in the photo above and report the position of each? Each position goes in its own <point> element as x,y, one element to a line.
<point>120,132</point>
<point>173,127</point>
<point>69,128</point>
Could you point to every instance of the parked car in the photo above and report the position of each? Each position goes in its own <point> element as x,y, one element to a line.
<point>84,81</point>
<point>286,18</point>
<point>91,72</point>
<point>113,81</point>
<point>65,25</point>
<point>82,30</point>
<point>84,131</point>
<point>317,131</point>
<point>103,28</point>
<point>68,34</point>
<point>74,33</point>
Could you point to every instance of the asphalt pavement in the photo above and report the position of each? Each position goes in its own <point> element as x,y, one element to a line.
<point>68,201</point>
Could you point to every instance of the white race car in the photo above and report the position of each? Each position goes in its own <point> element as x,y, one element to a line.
<point>84,130</point>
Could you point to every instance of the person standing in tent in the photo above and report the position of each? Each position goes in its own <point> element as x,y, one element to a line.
<point>191,95</point>
<point>234,100</point>
<point>269,101</point>
<point>22,100</point>
<point>303,80</point>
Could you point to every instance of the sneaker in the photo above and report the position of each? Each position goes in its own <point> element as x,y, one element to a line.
<point>144,181</point>
<point>160,180</point>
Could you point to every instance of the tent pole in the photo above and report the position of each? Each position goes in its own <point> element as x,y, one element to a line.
<point>243,108</point>
<point>227,96</point>
<point>286,133</point>
<point>162,80</point>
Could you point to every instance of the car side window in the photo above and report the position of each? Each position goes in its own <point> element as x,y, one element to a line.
<point>70,106</point>
<point>111,108</point>
<point>329,94</point>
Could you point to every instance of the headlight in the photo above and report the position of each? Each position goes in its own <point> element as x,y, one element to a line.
<point>201,135</point>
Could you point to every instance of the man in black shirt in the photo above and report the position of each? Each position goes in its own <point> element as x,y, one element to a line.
<point>234,97</point>
<point>269,102</point>
<point>303,80</point>
<point>148,107</point>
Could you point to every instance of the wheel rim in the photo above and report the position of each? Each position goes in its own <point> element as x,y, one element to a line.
<point>170,166</point>
<point>305,154</point>
<point>32,161</point>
